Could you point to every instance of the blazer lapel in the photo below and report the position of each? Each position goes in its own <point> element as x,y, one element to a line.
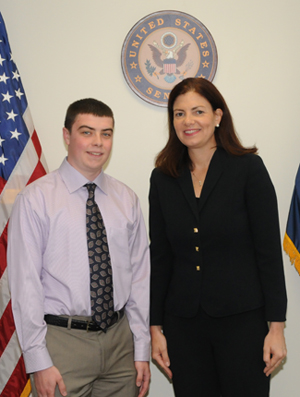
<point>215,170</point>
<point>186,184</point>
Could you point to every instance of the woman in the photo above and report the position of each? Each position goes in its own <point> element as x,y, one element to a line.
<point>217,273</point>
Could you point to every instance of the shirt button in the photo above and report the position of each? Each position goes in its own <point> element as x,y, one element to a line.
<point>197,249</point>
<point>195,230</point>
<point>198,268</point>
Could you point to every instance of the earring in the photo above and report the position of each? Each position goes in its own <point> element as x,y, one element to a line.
<point>218,125</point>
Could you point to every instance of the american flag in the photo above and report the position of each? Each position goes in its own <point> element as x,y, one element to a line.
<point>21,162</point>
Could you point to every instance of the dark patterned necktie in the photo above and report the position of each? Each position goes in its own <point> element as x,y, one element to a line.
<point>102,303</point>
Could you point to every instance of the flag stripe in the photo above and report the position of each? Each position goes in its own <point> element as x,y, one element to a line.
<point>2,183</point>
<point>6,322</point>
<point>9,361</point>
<point>36,143</point>
<point>4,290</point>
<point>17,377</point>
<point>37,173</point>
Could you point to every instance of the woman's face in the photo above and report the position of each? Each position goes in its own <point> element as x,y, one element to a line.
<point>194,121</point>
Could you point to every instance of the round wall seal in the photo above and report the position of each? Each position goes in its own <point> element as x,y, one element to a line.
<point>164,48</point>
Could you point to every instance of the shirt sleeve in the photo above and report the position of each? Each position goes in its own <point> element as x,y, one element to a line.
<point>24,262</point>
<point>262,208</point>
<point>161,254</point>
<point>137,306</point>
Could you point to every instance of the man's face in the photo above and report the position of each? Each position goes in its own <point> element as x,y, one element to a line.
<point>89,143</point>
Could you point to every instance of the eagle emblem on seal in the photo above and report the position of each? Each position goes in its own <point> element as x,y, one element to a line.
<point>169,55</point>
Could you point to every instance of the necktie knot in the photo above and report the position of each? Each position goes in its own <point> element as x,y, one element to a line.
<point>91,189</point>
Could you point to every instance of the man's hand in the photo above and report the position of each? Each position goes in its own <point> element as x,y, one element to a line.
<point>274,347</point>
<point>143,376</point>
<point>159,349</point>
<point>46,381</point>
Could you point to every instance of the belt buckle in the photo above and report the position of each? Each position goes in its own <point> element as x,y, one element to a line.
<point>88,325</point>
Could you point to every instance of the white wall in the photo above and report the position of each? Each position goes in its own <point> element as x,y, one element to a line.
<point>70,49</point>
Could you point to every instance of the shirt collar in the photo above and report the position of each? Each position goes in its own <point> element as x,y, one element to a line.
<point>74,180</point>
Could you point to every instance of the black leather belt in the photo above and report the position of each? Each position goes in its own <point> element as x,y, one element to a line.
<point>80,324</point>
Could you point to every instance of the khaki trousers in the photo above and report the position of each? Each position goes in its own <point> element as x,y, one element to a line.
<point>94,364</point>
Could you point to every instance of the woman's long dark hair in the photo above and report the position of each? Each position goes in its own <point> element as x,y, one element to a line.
<point>175,155</point>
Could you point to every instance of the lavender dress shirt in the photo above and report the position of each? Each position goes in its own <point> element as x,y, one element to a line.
<point>48,264</point>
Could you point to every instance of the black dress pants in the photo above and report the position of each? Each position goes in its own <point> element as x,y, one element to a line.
<point>218,357</point>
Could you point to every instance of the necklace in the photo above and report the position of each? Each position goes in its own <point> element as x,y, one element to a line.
<point>200,182</point>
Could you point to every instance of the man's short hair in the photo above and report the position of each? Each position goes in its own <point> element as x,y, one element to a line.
<point>87,106</point>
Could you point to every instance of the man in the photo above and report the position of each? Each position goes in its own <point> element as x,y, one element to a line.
<point>68,310</point>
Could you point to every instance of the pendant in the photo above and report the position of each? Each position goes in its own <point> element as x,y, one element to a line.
<point>200,182</point>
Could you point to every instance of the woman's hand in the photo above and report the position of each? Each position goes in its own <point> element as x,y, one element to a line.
<point>274,347</point>
<point>159,349</point>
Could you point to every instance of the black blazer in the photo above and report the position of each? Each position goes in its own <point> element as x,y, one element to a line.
<point>223,252</point>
